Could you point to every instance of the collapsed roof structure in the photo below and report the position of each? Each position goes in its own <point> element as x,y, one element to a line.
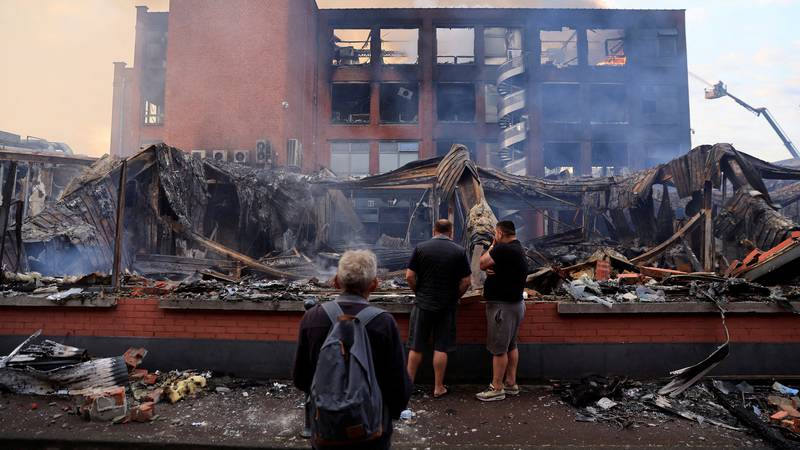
<point>189,208</point>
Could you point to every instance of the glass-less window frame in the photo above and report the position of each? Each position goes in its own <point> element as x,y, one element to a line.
<point>440,100</point>
<point>363,117</point>
<point>345,153</point>
<point>559,48</point>
<point>405,48</point>
<point>399,92</point>
<point>360,55</point>
<point>510,39</point>
<point>395,154</point>
<point>448,53</point>
<point>491,100</point>
<point>606,47</point>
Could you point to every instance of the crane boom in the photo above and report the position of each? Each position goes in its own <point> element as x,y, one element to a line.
<point>719,90</point>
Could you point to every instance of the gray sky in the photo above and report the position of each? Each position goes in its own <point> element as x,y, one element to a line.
<point>57,72</point>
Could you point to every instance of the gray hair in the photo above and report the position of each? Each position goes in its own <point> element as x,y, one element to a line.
<point>357,269</point>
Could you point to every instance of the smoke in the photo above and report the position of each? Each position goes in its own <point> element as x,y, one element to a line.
<point>463,4</point>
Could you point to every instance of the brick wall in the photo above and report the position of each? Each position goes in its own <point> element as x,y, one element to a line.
<point>143,318</point>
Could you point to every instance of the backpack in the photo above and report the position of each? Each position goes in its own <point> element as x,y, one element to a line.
<point>346,402</point>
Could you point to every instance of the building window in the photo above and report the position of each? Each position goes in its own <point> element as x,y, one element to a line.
<point>399,46</point>
<point>608,103</point>
<point>455,45</point>
<point>609,159</point>
<point>561,102</point>
<point>559,47</point>
<point>501,44</point>
<point>399,102</point>
<point>350,158</point>
<point>393,155</point>
<point>667,43</point>
<point>606,47</point>
<point>492,99</point>
<point>455,102</point>
<point>561,158</point>
<point>153,113</point>
<point>660,104</point>
<point>350,47</point>
<point>350,102</point>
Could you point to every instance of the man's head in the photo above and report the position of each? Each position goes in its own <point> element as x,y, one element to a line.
<point>443,226</point>
<point>357,273</point>
<point>505,231</point>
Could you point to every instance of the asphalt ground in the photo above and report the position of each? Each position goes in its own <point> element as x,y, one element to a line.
<point>266,416</point>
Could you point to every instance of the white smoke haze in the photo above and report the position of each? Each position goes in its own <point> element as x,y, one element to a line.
<point>462,4</point>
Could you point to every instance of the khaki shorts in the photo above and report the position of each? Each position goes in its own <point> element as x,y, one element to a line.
<point>502,326</point>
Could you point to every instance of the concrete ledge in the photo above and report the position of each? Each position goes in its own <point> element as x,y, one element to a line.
<point>672,308</point>
<point>30,301</point>
<point>267,305</point>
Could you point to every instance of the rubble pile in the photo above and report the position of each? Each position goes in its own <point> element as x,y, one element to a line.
<point>103,389</point>
<point>769,411</point>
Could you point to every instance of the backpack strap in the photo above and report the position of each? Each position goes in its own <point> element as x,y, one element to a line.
<point>367,314</point>
<point>333,310</point>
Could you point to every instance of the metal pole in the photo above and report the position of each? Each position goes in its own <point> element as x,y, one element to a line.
<point>5,209</point>
<point>708,230</point>
<point>120,229</point>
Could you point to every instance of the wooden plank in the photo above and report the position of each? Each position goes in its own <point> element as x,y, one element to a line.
<point>672,308</point>
<point>31,301</point>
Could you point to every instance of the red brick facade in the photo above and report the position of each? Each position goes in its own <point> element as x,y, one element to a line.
<point>543,324</point>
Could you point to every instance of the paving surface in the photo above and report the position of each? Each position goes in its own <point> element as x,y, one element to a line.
<point>271,417</point>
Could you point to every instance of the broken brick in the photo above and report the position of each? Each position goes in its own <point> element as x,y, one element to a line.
<point>138,374</point>
<point>133,357</point>
<point>143,413</point>
<point>150,378</point>
<point>153,396</point>
<point>602,270</point>
<point>780,415</point>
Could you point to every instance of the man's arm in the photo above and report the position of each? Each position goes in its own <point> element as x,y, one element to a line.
<point>302,362</point>
<point>464,285</point>
<point>411,279</point>
<point>486,260</point>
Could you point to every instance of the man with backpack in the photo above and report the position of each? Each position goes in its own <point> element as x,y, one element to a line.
<point>350,361</point>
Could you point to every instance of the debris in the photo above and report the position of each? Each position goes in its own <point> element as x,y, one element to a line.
<point>606,403</point>
<point>189,385</point>
<point>407,414</point>
<point>785,390</point>
<point>63,295</point>
<point>133,357</point>
<point>667,405</point>
<point>105,405</point>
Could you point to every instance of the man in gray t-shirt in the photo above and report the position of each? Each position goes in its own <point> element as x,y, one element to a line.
<point>439,274</point>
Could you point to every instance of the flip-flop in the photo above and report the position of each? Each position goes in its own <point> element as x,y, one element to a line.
<point>446,391</point>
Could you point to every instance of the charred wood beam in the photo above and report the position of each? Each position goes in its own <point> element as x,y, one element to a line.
<point>657,250</point>
<point>244,259</point>
<point>5,209</point>
<point>119,227</point>
<point>708,229</point>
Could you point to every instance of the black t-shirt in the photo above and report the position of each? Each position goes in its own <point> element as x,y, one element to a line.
<point>439,264</point>
<point>510,270</point>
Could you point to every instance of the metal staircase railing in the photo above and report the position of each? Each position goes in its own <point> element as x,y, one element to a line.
<point>511,110</point>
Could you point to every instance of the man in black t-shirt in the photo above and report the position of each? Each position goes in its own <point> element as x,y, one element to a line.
<point>439,274</point>
<point>506,268</point>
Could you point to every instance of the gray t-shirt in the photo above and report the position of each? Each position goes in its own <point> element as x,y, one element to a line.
<point>440,264</point>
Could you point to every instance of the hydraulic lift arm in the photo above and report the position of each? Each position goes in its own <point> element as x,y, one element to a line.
<point>719,90</point>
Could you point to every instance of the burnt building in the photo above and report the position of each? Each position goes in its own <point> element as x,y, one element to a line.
<point>363,91</point>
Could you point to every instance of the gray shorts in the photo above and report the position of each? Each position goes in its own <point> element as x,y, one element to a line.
<point>502,326</point>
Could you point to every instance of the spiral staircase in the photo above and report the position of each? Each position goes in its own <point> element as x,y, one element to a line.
<point>512,114</point>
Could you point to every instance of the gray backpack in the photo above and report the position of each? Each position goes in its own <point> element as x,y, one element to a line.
<point>346,402</point>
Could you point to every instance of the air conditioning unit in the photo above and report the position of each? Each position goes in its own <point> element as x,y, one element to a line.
<point>294,153</point>
<point>219,155</point>
<point>199,154</point>
<point>264,153</point>
<point>241,156</point>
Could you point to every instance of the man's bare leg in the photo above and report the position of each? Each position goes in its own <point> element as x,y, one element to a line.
<point>511,368</point>
<point>439,367</point>
<point>499,365</point>
<point>414,360</point>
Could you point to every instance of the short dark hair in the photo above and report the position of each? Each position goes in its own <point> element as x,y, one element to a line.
<point>507,227</point>
<point>443,226</point>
